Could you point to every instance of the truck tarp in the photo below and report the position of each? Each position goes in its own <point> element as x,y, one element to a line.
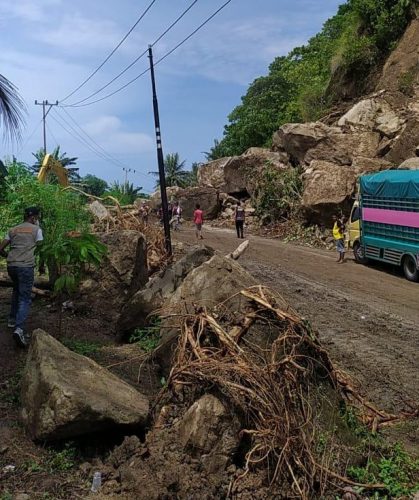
<point>391,184</point>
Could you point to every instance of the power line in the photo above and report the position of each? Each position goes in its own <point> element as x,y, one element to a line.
<point>77,135</point>
<point>76,105</point>
<point>30,137</point>
<point>179,18</point>
<point>112,52</point>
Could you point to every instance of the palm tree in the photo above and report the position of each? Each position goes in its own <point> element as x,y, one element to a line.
<point>66,162</point>
<point>175,173</point>
<point>125,192</point>
<point>12,109</point>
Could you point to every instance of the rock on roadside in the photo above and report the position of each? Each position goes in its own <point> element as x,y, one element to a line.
<point>66,395</point>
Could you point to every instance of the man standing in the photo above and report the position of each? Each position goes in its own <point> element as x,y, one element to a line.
<point>239,216</point>
<point>20,266</point>
<point>198,219</point>
<point>176,216</point>
<point>338,235</point>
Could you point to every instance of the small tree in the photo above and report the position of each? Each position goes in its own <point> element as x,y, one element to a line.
<point>94,185</point>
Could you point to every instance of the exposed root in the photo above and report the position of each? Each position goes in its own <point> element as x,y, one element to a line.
<point>268,386</point>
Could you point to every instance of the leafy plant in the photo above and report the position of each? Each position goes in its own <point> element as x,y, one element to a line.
<point>64,460</point>
<point>277,193</point>
<point>72,253</point>
<point>147,338</point>
<point>12,109</point>
<point>94,185</point>
<point>395,469</point>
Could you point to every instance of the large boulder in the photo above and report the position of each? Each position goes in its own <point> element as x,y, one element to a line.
<point>405,145</point>
<point>211,283</point>
<point>327,186</point>
<point>159,289</point>
<point>66,395</point>
<point>306,142</point>
<point>155,199</point>
<point>362,165</point>
<point>123,271</point>
<point>373,114</point>
<point>212,173</point>
<point>241,172</point>
<point>208,197</point>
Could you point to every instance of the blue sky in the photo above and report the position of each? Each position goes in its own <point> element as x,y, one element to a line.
<point>50,46</point>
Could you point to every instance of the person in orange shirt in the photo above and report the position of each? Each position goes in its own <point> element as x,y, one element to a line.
<point>198,219</point>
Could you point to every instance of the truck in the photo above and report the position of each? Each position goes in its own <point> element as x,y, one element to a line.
<point>384,221</point>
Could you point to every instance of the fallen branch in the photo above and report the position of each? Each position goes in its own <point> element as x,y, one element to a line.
<point>239,251</point>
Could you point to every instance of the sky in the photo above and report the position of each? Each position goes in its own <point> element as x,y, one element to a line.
<point>49,47</point>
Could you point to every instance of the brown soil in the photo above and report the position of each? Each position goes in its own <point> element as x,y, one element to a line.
<point>37,470</point>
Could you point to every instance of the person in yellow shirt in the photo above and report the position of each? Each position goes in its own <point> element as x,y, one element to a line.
<point>338,235</point>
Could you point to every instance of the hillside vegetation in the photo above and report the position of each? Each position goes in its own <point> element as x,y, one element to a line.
<point>303,85</point>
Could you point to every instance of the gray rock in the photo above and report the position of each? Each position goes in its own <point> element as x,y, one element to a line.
<point>410,164</point>
<point>98,210</point>
<point>327,187</point>
<point>159,289</point>
<point>209,431</point>
<point>66,395</point>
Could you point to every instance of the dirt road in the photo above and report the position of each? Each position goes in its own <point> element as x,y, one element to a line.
<point>367,317</point>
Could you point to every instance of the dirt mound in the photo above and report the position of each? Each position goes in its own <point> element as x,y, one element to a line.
<point>255,378</point>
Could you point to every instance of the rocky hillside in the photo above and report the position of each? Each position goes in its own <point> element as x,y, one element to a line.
<point>376,131</point>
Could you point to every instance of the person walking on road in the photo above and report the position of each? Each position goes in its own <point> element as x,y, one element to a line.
<point>22,240</point>
<point>338,235</point>
<point>176,216</point>
<point>198,219</point>
<point>239,217</point>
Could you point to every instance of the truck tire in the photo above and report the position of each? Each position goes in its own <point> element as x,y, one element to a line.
<point>409,268</point>
<point>359,253</point>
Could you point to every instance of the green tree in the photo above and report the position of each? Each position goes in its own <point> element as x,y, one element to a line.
<point>175,172</point>
<point>65,161</point>
<point>12,109</point>
<point>124,192</point>
<point>94,185</point>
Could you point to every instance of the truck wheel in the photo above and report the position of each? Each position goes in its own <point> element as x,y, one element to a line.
<point>359,253</point>
<point>409,268</point>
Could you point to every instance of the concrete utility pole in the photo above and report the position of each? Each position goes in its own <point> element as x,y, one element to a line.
<point>160,159</point>
<point>44,104</point>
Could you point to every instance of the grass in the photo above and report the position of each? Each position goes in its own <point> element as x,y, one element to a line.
<point>385,464</point>
<point>147,338</point>
<point>83,347</point>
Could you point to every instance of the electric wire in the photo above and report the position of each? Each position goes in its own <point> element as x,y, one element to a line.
<point>143,14</point>
<point>174,23</point>
<point>156,63</point>
<point>78,136</point>
<point>29,138</point>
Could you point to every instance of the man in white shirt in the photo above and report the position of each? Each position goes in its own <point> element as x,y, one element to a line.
<point>22,240</point>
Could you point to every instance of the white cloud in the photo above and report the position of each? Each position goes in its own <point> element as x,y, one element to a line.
<point>118,140</point>
<point>27,10</point>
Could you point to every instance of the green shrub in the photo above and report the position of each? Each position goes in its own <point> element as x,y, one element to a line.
<point>62,213</point>
<point>397,470</point>
<point>147,338</point>
<point>277,193</point>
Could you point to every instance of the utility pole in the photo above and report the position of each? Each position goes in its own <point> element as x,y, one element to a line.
<point>126,170</point>
<point>44,104</point>
<point>160,160</point>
